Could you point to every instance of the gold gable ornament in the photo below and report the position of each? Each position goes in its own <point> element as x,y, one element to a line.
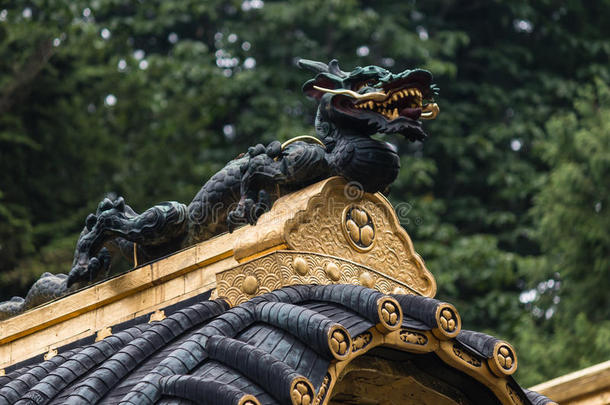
<point>342,235</point>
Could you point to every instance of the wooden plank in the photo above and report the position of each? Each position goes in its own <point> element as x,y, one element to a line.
<point>92,298</point>
<point>51,337</point>
<point>588,386</point>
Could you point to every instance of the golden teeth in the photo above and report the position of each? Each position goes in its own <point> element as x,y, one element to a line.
<point>429,112</point>
<point>389,108</point>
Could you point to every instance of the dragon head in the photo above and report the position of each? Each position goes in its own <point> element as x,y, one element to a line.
<point>371,99</point>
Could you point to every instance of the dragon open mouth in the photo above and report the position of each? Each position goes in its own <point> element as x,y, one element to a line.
<point>371,100</point>
<point>406,102</point>
<point>395,103</point>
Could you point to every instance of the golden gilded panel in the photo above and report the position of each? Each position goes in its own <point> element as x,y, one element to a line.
<point>285,267</point>
<point>360,227</point>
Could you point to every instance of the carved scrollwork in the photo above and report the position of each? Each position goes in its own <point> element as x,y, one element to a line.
<point>361,341</point>
<point>375,237</point>
<point>514,396</point>
<point>413,337</point>
<point>466,356</point>
<point>323,390</point>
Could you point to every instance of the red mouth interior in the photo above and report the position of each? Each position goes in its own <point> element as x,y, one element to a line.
<point>404,102</point>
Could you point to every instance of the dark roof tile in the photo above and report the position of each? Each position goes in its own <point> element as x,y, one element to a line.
<point>270,347</point>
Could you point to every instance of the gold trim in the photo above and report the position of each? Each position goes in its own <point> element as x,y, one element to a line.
<point>419,341</point>
<point>322,391</point>
<point>301,391</point>
<point>114,289</point>
<point>392,251</point>
<point>248,400</point>
<point>303,138</point>
<point>158,315</point>
<point>50,354</point>
<point>103,333</point>
<point>135,255</point>
<point>277,269</point>
<point>390,314</point>
<point>339,342</point>
<point>263,252</point>
<point>448,321</point>
<point>504,359</point>
<point>307,222</point>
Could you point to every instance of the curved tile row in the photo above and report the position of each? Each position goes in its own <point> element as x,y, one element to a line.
<point>274,349</point>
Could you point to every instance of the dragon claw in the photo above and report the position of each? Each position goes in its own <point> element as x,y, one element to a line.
<point>119,204</point>
<point>105,205</point>
<point>88,270</point>
<point>248,210</point>
<point>90,221</point>
<point>259,149</point>
<point>274,149</point>
<point>93,267</point>
<point>262,205</point>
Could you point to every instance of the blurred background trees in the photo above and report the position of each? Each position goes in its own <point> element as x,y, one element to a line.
<point>507,201</point>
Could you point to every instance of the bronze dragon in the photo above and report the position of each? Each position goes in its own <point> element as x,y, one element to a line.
<point>353,106</point>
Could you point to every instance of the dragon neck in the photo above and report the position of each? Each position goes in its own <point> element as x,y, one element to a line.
<point>329,133</point>
<point>326,131</point>
<point>372,163</point>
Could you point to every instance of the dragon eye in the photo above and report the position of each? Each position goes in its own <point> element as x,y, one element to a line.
<point>369,82</point>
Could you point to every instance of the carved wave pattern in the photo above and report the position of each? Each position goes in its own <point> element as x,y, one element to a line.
<point>230,284</point>
<point>277,270</point>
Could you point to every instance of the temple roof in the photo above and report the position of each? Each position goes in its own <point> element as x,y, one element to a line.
<point>287,346</point>
<point>303,308</point>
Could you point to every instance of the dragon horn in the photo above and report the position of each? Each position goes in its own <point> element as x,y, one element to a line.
<point>317,67</point>
<point>333,67</point>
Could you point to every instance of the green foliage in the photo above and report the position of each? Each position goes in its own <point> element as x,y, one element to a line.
<point>507,201</point>
<point>572,218</point>
<point>572,205</point>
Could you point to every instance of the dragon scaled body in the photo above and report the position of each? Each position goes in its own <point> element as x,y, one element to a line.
<point>353,106</point>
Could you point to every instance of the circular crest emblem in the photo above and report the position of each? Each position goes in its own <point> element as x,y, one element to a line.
<point>358,228</point>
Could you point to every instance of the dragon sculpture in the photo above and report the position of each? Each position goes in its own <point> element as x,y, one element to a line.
<point>353,106</point>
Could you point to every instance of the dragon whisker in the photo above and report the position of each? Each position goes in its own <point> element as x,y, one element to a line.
<point>377,96</point>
